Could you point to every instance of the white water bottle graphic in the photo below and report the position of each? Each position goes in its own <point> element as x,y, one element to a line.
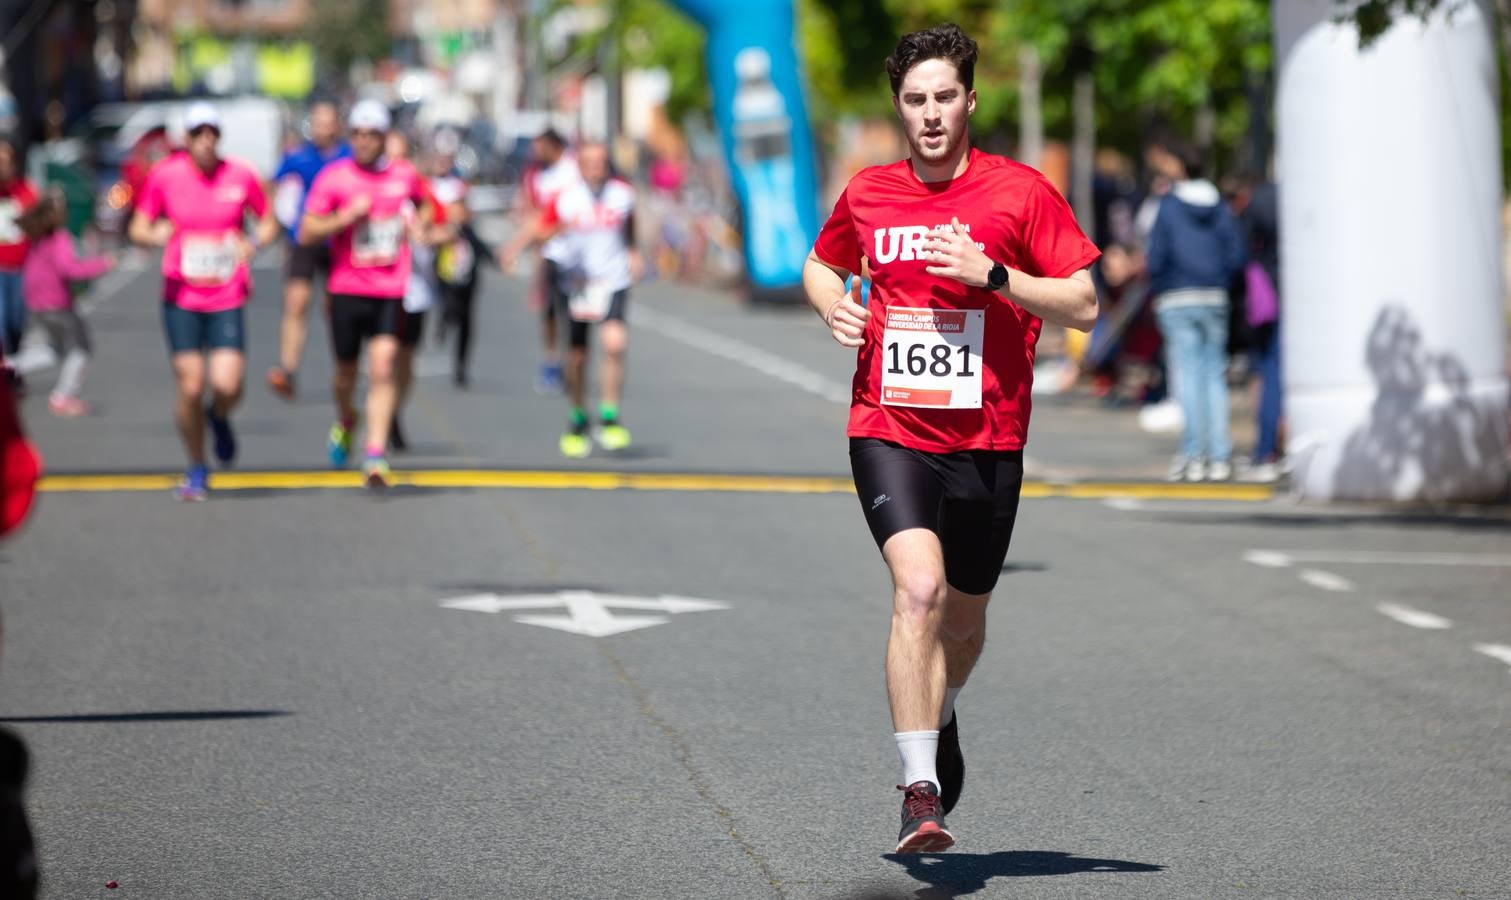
<point>763,155</point>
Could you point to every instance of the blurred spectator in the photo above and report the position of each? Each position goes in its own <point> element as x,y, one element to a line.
<point>1260,220</point>
<point>50,266</point>
<point>1194,252</point>
<point>458,257</point>
<point>16,196</point>
<point>1125,340</point>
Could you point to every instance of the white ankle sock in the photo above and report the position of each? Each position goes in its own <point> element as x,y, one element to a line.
<point>918,750</point>
<point>949,705</point>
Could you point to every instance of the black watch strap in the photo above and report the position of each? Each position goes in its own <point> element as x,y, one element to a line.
<point>996,279</point>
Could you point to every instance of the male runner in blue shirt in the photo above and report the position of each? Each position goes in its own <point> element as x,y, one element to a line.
<point>291,184</point>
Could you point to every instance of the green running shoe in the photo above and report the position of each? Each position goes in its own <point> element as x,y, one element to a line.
<point>613,435</point>
<point>575,443</point>
<point>339,444</point>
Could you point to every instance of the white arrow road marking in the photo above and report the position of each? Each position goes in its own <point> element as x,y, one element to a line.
<point>587,612</point>
<point>1279,559</point>
<point>1416,618</point>
<point>1326,581</point>
<point>1501,652</point>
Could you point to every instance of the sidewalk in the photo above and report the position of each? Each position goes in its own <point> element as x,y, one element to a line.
<point>1075,436</point>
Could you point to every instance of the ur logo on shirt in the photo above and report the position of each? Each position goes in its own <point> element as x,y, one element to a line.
<point>904,243</point>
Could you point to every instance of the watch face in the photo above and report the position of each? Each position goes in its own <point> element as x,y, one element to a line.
<point>998,275</point>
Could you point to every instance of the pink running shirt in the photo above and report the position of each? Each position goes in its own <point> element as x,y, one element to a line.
<point>200,271</point>
<point>371,259</point>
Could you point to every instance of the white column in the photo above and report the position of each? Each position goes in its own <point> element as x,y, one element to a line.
<point>1393,320</point>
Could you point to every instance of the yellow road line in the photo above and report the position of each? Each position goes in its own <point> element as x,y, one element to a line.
<point>613,481</point>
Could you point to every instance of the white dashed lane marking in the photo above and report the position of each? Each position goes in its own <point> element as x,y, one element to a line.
<point>1501,652</point>
<point>1280,559</point>
<point>1416,618</point>
<point>1326,581</point>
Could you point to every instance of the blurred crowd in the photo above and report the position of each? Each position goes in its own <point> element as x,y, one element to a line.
<point>1189,282</point>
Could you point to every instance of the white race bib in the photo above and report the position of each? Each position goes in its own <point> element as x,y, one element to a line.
<point>207,261</point>
<point>592,303</point>
<point>288,200</point>
<point>10,221</point>
<point>931,358</point>
<point>376,242</point>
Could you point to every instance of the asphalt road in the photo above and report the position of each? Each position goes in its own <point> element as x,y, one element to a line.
<point>266,696</point>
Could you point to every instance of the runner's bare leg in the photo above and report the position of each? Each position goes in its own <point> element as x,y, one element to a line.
<point>382,387</point>
<point>614,339</point>
<point>189,404</point>
<point>916,670</point>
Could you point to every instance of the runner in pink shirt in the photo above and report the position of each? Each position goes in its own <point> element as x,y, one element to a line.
<point>194,205</point>
<point>360,205</point>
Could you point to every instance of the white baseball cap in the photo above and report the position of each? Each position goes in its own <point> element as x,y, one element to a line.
<point>369,115</point>
<point>200,114</point>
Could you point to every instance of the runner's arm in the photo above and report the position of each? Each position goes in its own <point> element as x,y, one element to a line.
<point>149,232</point>
<point>637,264</point>
<point>825,286</point>
<point>536,231</point>
<point>315,228</point>
<point>1070,302</point>
<point>267,228</point>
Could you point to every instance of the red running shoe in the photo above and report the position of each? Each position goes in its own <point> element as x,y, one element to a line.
<point>923,828</point>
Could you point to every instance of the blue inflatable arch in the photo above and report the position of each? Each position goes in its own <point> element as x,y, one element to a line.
<point>763,124</point>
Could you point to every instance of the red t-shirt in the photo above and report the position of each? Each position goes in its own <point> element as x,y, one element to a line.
<point>945,366</point>
<point>15,198</point>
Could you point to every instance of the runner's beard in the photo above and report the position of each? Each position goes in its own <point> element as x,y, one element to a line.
<point>940,153</point>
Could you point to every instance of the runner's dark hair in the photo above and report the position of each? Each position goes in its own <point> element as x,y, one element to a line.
<point>946,42</point>
<point>553,137</point>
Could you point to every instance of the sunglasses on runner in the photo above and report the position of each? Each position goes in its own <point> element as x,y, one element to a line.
<point>367,132</point>
<point>196,132</point>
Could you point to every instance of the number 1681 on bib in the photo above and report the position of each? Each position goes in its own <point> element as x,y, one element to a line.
<point>932,357</point>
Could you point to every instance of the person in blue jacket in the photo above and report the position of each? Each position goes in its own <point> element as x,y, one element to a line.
<point>1194,251</point>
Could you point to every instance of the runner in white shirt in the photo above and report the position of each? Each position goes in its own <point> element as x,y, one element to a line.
<point>554,169</point>
<point>589,280</point>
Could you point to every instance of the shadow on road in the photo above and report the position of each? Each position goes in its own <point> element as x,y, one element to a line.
<point>1008,568</point>
<point>204,715</point>
<point>962,874</point>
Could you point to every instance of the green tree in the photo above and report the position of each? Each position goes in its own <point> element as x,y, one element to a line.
<point>649,34</point>
<point>1171,61</point>
<point>346,31</point>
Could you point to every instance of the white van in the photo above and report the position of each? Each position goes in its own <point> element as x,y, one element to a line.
<point>251,129</point>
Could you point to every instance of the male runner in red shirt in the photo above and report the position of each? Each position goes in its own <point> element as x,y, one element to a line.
<point>968,255</point>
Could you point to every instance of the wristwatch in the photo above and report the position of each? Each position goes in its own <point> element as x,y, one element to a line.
<point>996,279</point>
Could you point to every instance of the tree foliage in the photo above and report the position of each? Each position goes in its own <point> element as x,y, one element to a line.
<point>345,31</point>
<point>1151,60</point>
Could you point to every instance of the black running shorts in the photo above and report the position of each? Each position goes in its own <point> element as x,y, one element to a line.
<point>356,319</point>
<point>969,499</point>
<point>301,262</point>
<point>556,299</point>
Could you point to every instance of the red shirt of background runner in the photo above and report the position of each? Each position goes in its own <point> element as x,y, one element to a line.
<point>1023,223</point>
<point>15,198</point>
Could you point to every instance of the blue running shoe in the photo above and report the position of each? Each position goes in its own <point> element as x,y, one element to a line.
<point>195,487</point>
<point>225,438</point>
<point>339,444</point>
<point>549,380</point>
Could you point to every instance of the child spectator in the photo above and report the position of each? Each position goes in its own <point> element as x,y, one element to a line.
<point>50,265</point>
